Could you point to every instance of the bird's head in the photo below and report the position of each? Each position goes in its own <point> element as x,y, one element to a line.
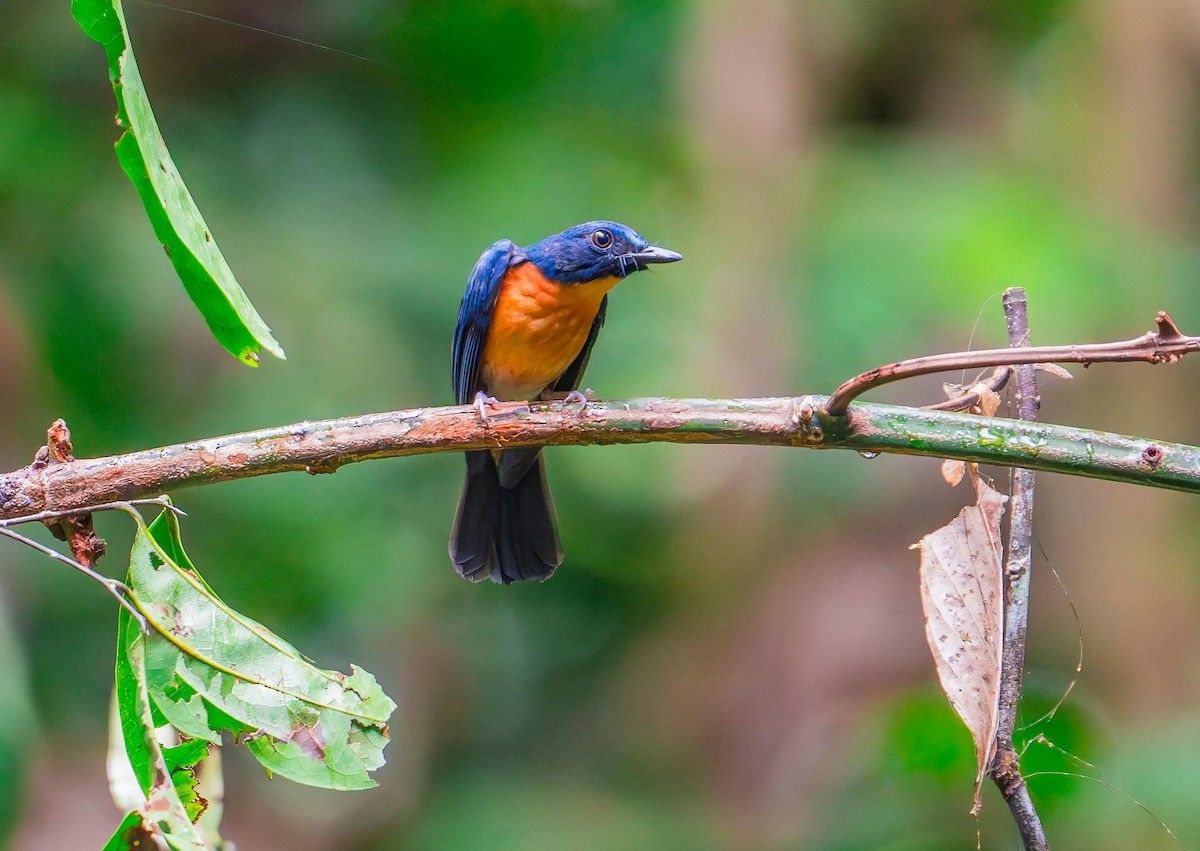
<point>595,250</point>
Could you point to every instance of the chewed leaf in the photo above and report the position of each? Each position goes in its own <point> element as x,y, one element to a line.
<point>183,761</point>
<point>131,833</point>
<point>163,814</point>
<point>962,595</point>
<point>210,669</point>
<point>331,752</point>
<point>173,214</point>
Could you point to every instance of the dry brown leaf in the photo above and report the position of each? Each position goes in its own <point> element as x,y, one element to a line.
<point>953,391</point>
<point>961,593</point>
<point>953,471</point>
<point>989,400</point>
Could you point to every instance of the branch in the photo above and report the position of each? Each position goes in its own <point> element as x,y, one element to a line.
<point>1166,345</point>
<point>1005,768</point>
<point>322,447</point>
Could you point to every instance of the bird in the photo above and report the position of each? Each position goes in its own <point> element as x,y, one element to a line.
<point>526,327</point>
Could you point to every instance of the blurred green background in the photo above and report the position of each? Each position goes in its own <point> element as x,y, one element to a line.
<point>732,655</point>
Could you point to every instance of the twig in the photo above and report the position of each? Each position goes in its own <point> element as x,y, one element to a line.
<point>1165,345</point>
<point>159,501</point>
<point>797,422</point>
<point>115,587</point>
<point>1005,768</point>
<point>118,589</point>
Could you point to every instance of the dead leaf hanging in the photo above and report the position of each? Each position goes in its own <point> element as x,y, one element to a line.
<point>962,595</point>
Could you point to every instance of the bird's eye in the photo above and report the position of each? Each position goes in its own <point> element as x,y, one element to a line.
<point>602,239</point>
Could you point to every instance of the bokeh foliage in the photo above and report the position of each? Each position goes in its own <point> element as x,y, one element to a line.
<point>731,656</point>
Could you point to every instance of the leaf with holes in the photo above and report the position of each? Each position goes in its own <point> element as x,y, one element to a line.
<point>176,219</point>
<point>163,815</point>
<point>962,595</point>
<point>211,669</point>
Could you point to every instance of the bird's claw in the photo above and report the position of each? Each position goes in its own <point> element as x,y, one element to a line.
<point>482,400</point>
<point>575,397</point>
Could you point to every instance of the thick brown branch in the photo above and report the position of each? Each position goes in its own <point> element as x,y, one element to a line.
<point>1165,345</point>
<point>321,447</point>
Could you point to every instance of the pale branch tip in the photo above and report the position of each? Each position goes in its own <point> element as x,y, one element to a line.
<point>1167,344</point>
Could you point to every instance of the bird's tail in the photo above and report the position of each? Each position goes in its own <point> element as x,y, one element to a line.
<point>505,534</point>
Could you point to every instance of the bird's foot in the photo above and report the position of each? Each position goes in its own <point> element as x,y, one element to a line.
<point>482,400</point>
<point>581,399</point>
<point>574,397</point>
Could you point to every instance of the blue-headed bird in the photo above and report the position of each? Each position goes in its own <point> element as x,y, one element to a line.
<point>526,327</point>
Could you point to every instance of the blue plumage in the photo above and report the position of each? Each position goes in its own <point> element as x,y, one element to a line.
<point>574,257</point>
<point>505,528</point>
<point>475,316</point>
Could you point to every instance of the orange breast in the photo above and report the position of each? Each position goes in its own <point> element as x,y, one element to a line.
<point>538,328</point>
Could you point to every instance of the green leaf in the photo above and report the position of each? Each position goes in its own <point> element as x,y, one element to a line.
<point>130,684</point>
<point>164,811</point>
<point>131,833</point>
<point>176,220</point>
<point>182,760</point>
<point>210,669</point>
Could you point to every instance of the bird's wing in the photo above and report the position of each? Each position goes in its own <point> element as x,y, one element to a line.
<point>573,375</point>
<point>475,316</point>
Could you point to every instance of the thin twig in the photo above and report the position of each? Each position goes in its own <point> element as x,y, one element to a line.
<point>160,501</point>
<point>117,588</point>
<point>1167,344</point>
<point>1005,769</point>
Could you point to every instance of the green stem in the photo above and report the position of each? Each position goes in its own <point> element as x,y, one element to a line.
<point>1033,446</point>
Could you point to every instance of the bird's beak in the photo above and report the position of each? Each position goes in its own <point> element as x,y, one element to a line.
<point>654,254</point>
